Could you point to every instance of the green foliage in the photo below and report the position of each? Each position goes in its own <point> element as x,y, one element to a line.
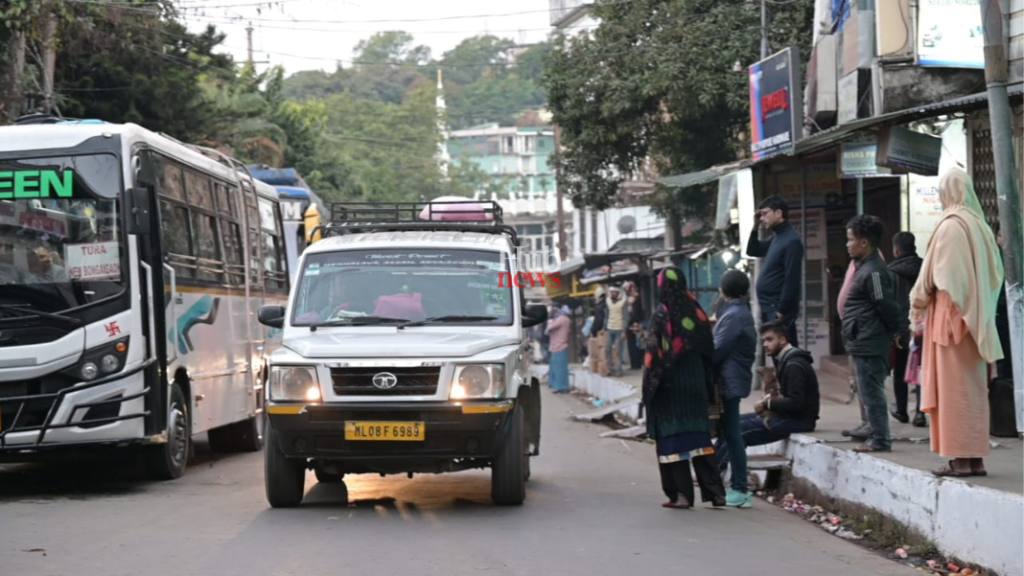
<point>655,81</point>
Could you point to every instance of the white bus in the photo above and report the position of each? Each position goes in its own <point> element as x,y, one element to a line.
<point>131,270</point>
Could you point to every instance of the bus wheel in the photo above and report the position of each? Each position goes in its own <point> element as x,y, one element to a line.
<point>247,435</point>
<point>167,461</point>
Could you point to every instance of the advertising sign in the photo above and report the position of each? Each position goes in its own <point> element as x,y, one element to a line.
<point>950,34</point>
<point>91,261</point>
<point>857,160</point>
<point>776,104</point>
<point>815,240</point>
<point>911,151</point>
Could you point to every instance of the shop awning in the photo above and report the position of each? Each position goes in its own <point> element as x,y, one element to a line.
<point>829,137</point>
<point>705,176</point>
<point>833,135</point>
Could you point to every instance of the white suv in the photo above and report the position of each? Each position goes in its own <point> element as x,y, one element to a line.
<point>403,352</point>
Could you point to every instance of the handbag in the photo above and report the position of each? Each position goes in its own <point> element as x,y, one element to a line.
<point>913,373</point>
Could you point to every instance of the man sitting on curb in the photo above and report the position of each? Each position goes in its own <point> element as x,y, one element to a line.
<point>794,410</point>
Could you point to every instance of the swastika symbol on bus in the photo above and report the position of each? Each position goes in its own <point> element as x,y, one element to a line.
<point>112,329</point>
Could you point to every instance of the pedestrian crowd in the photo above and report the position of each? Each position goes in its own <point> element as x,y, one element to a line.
<point>931,322</point>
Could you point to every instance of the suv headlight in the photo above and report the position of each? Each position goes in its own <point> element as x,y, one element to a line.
<point>478,381</point>
<point>294,384</point>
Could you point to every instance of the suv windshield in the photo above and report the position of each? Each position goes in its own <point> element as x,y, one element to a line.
<point>426,286</point>
<point>59,233</point>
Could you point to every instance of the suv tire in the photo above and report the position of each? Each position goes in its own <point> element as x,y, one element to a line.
<point>285,478</point>
<point>508,474</point>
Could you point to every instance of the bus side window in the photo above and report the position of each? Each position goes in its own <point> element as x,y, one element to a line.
<point>234,256</point>
<point>175,225</point>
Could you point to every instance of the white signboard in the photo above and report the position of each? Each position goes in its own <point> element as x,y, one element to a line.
<point>950,34</point>
<point>925,209</point>
<point>745,204</point>
<point>92,261</point>
<point>848,101</point>
<point>817,341</point>
<point>815,241</point>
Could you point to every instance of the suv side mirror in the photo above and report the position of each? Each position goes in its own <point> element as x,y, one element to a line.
<point>535,314</point>
<point>138,210</point>
<point>272,316</point>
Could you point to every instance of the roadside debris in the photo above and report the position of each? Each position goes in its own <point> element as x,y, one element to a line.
<point>925,560</point>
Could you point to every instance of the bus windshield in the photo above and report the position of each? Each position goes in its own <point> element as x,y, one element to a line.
<point>60,235</point>
<point>417,285</point>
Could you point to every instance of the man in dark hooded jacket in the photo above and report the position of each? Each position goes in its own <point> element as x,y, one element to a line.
<point>905,269</point>
<point>795,409</point>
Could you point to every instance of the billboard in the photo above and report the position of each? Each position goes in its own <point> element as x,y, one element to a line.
<point>950,34</point>
<point>776,104</point>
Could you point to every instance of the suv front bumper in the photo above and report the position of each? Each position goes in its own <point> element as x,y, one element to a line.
<point>471,430</point>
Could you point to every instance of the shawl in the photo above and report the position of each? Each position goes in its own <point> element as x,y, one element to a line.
<point>963,260</point>
<point>678,326</point>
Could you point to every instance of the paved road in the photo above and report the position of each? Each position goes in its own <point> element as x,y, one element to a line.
<point>592,509</point>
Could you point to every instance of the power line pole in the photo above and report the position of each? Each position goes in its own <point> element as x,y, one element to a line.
<point>559,198</point>
<point>996,76</point>
<point>764,29</point>
<point>49,55</point>
<point>248,34</point>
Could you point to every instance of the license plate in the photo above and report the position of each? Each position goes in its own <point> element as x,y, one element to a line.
<point>386,431</point>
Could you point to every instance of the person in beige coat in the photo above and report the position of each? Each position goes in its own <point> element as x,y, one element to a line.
<point>953,306</point>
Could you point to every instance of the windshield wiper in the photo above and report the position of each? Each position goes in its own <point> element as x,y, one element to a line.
<point>448,318</point>
<point>67,320</point>
<point>357,321</point>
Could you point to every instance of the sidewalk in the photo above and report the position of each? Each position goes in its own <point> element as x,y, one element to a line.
<point>979,519</point>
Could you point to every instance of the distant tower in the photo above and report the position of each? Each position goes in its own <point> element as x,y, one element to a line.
<point>443,159</point>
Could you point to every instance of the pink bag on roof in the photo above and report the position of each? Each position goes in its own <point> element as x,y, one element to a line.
<point>465,209</point>
<point>408,306</point>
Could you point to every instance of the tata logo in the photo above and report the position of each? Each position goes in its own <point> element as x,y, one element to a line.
<point>385,380</point>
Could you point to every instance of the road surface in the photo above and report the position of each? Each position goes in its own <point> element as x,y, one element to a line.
<point>593,508</point>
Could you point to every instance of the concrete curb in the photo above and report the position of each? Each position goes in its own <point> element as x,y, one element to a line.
<point>608,390</point>
<point>973,523</point>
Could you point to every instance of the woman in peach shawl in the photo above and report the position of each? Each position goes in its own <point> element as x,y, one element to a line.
<point>954,301</point>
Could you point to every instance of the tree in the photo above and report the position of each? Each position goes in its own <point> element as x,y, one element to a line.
<point>654,81</point>
<point>475,58</point>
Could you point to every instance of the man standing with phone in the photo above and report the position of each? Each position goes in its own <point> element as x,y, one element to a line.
<point>778,286</point>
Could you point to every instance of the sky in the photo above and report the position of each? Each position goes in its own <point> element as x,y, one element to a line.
<point>314,34</point>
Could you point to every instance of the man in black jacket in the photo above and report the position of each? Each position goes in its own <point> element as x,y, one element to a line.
<point>794,410</point>
<point>871,326</point>
<point>905,268</point>
<point>778,284</point>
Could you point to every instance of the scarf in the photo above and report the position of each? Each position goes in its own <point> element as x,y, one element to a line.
<point>678,326</point>
<point>963,260</point>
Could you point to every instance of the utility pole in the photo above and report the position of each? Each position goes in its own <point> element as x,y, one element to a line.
<point>49,42</point>
<point>559,198</point>
<point>996,76</point>
<point>248,34</point>
<point>764,29</point>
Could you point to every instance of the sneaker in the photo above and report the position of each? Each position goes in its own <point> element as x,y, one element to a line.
<point>862,432</point>
<point>739,499</point>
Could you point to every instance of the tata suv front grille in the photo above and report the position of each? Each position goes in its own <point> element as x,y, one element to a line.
<point>385,381</point>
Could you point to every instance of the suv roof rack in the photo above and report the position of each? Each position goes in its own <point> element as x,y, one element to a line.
<point>363,217</point>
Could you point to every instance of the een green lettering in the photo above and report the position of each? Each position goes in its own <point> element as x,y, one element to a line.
<point>36,184</point>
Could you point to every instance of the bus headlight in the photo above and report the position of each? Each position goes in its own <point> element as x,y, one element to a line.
<point>478,381</point>
<point>100,361</point>
<point>294,384</point>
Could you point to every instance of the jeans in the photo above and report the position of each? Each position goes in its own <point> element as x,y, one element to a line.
<point>755,433</point>
<point>768,314</point>
<point>558,371</point>
<point>871,373</point>
<point>732,436</point>
<point>616,340</point>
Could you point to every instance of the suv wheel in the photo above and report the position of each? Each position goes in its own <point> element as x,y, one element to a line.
<point>285,478</point>
<point>508,474</point>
